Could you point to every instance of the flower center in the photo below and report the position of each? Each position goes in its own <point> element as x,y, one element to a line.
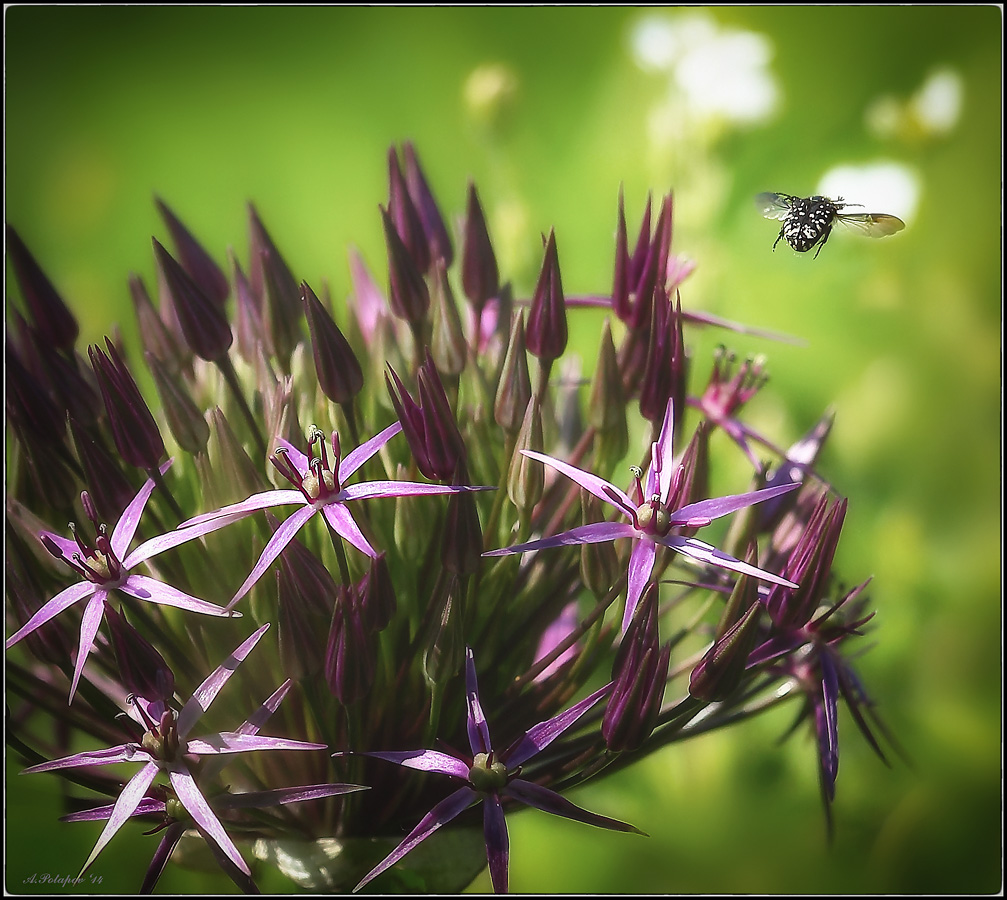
<point>653,518</point>
<point>161,740</point>
<point>486,775</point>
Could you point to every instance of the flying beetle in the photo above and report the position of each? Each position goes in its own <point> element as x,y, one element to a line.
<point>808,221</point>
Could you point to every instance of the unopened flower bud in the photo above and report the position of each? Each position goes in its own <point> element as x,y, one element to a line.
<point>448,346</point>
<point>194,259</point>
<point>339,374</point>
<point>639,675</point>
<point>514,387</point>
<point>142,669</point>
<point>480,276</point>
<point>49,312</point>
<point>438,239</point>
<point>405,216</point>
<point>408,294</point>
<point>723,666</point>
<point>525,476</point>
<point>133,427</point>
<point>547,333</point>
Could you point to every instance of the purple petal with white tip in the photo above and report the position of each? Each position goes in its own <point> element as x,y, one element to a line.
<point>424,761</point>
<point>232,742</point>
<point>542,735</point>
<point>359,455</point>
<point>281,537</point>
<point>338,516</point>
<point>549,801</point>
<point>602,489</point>
<point>107,757</point>
<point>450,807</point>
<point>125,528</point>
<point>705,553</point>
<point>204,695</point>
<point>475,718</point>
<point>153,591</point>
<point>53,608</point>
<point>369,489</point>
<point>595,533</point>
<point>218,518</point>
<point>641,565</point>
<point>89,623</point>
<point>705,510</point>
<point>497,841</point>
<point>124,807</point>
<point>197,807</point>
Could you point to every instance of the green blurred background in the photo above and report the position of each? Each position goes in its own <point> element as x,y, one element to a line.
<point>549,112</point>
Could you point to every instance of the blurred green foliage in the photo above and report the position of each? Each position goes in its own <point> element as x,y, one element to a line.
<point>295,109</point>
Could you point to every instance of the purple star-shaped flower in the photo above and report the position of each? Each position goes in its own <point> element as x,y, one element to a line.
<point>167,747</point>
<point>652,518</point>
<point>161,802</point>
<point>106,567</point>
<point>492,777</point>
<point>319,484</point>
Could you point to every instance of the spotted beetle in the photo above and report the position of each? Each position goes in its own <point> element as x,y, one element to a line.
<point>808,221</point>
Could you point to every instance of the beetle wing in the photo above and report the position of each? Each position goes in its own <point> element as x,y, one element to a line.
<point>872,224</point>
<point>774,206</point>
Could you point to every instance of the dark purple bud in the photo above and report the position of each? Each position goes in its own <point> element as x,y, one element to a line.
<point>194,259</point>
<point>722,667</point>
<point>203,323</point>
<point>639,675</point>
<point>109,487</point>
<point>621,280</point>
<point>810,566</point>
<point>274,283</point>
<point>350,653</point>
<point>408,295</point>
<point>649,268</point>
<point>29,403</point>
<point>438,239</point>
<point>665,374</point>
<point>378,595</point>
<point>133,427</point>
<point>405,216</point>
<point>307,597</point>
<point>50,314</point>
<point>339,373</point>
<point>142,669</point>
<point>546,334</point>
<point>74,393</point>
<point>429,425</point>
<point>480,276</point>
<point>248,329</point>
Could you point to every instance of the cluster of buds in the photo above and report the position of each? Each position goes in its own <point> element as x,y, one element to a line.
<point>410,489</point>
